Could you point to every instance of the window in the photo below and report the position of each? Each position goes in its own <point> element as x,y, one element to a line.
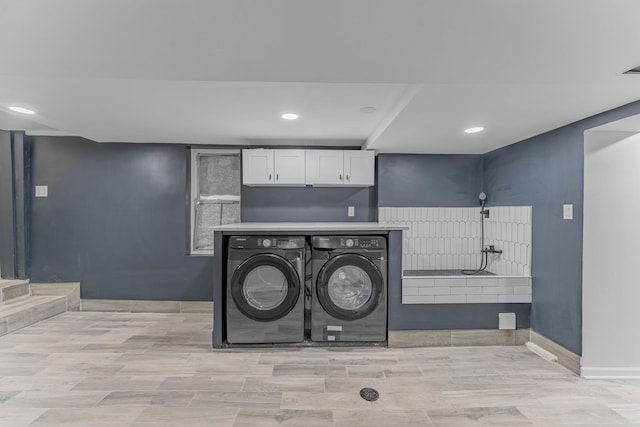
<point>215,195</point>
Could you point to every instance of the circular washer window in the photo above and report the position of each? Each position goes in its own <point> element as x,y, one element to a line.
<point>265,287</point>
<point>349,286</point>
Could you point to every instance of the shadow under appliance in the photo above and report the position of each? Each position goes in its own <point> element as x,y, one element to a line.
<point>349,288</point>
<point>265,290</point>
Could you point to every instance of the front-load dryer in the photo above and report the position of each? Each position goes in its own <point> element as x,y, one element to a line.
<point>349,288</point>
<point>265,290</point>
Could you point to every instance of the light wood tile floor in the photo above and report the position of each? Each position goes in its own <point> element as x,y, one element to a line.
<point>149,369</point>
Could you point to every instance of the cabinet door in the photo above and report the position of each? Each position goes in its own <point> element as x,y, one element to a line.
<point>289,167</point>
<point>325,167</point>
<point>359,168</point>
<point>257,167</point>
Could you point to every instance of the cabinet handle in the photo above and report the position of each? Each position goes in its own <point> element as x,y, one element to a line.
<point>347,177</point>
<point>340,177</point>
<point>269,177</point>
<point>276,177</point>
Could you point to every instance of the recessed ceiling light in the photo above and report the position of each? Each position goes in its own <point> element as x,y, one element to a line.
<point>368,110</point>
<point>290,116</point>
<point>22,110</point>
<point>474,129</point>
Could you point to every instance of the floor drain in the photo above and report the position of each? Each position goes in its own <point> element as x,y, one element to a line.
<point>369,394</point>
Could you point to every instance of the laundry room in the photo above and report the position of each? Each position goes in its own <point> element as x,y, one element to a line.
<point>303,213</point>
<point>119,200</point>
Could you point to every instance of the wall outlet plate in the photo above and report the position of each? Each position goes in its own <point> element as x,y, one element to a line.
<point>351,211</point>
<point>42,191</point>
<point>506,320</point>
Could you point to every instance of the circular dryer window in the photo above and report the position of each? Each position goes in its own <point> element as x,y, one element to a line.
<point>349,286</point>
<point>265,287</point>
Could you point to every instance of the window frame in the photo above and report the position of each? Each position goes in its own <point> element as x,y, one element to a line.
<point>194,192</point>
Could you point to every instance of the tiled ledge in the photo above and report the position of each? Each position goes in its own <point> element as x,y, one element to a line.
<point>465,290</point>
<point>145,306</point>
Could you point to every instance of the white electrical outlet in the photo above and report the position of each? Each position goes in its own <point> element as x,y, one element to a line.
<point>351,211</point>
<point>567,211</point>
<point>42,191</point>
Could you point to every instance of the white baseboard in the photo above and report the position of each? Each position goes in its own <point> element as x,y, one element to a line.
<point>610,373</point>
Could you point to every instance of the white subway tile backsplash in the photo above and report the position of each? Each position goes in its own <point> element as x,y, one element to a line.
<point>514,298</point>
<point>515,281</point>
<point>474,299</point>
<point>418,299</point>
<point>454,281</point>
<point>418,282</point>
<point>450,299</point>
<point>522,290</point>
<point>467,290</point>
<point>407,290</point>
<point>497,290</point>
<point>482,281</point>
<point>436,290</point>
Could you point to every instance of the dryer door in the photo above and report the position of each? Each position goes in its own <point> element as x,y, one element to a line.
<point>349,286</point>
<point>265,287</point>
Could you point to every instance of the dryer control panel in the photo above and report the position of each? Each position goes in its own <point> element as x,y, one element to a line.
<point>349,242</point>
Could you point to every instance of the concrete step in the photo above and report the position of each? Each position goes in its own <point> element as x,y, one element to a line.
<point>21,312</point>
<point>10,289</point>
<point>70,290</point>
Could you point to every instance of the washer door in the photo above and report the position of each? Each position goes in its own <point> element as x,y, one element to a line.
<point>349,286</point>
<point>265,287</point>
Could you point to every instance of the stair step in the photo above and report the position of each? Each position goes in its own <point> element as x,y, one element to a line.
<point>11,289</point>
<point>21,312</point>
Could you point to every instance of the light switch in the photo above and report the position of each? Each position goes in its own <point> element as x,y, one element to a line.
<point>567,211</point>
<point>42,191</point>
<point>351,211</point>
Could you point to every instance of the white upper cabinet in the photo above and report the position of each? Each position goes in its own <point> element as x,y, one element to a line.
<point>273,167</point>
<point>289,166</point>
<point>359,168</point>
<point>257,167</point>
<point>325,167</point>
<point>320,168</point>
<point>344,168</point>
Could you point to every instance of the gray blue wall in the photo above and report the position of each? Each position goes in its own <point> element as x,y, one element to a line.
<point>114,220</point>
<point>7,235</point>
<point>307,204</point>
<point>547,171</point>
<point>14,204</point>
<point>433,180</point>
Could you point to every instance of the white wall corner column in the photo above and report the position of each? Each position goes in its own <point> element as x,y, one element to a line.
<point>611,232</point>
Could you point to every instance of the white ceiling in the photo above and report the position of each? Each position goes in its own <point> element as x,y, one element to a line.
<point>221,72</point>
<point>628,124</point>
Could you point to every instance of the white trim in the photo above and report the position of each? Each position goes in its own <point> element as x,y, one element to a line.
<point>610,373</point>
<point>220,198</point>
